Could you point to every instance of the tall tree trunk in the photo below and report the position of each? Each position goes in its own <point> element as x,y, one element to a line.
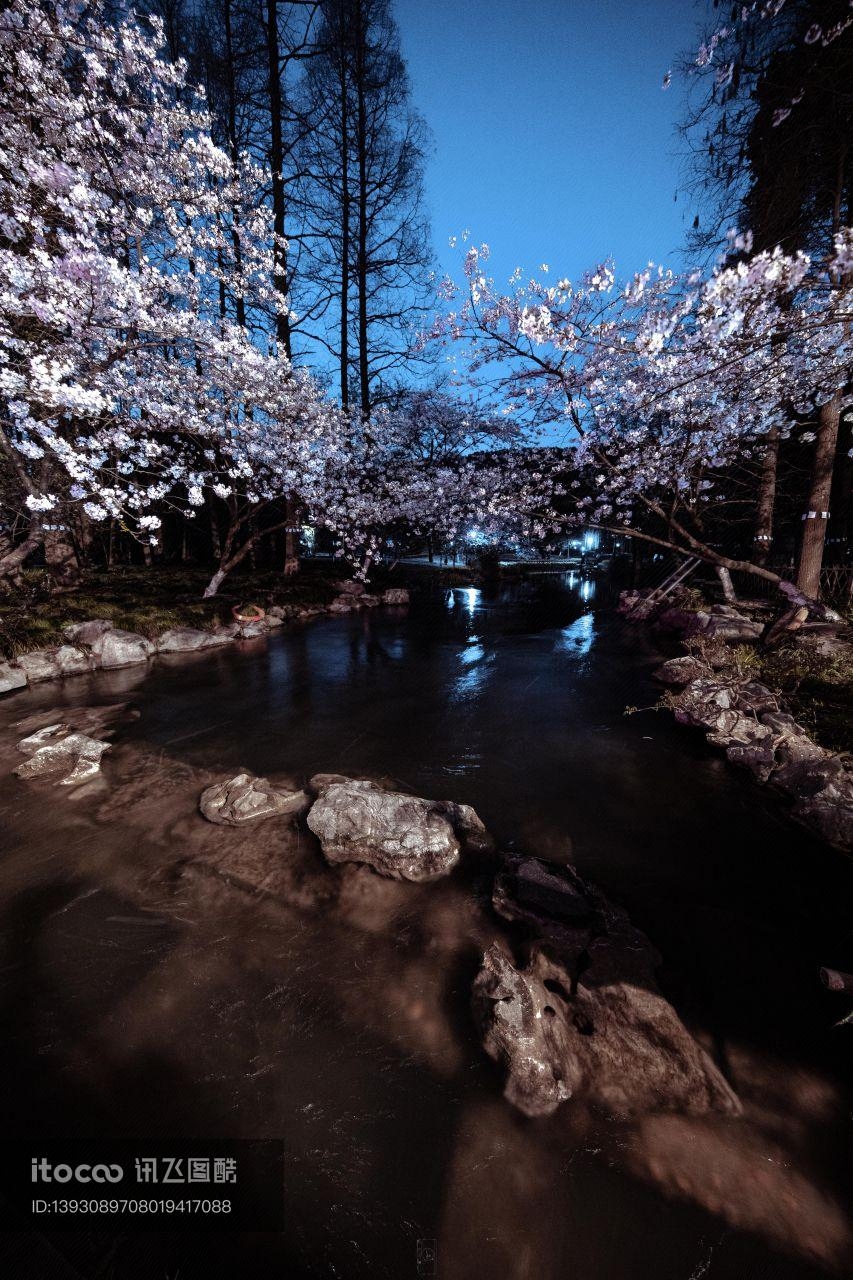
<point>282,322</point>
<point>239,300</point>
<point>816,514</point>
<point>215,536</point>
<point>766,498</point>
<point>345,231</point>
<point>291,538</point>
<point>361,260</point>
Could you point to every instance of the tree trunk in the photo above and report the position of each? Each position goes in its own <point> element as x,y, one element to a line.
<point>61,557</point>
<point>226,565</point>
<point>361,261</point>
<point>766,498</point>
<point>282,322</point>
<point>12,562</point>
<point>345,232</point>
<point>215,536</point>
<point>729,593</point>
<point>291,538</point>
<point>239,300</point>
<point>817,513</point>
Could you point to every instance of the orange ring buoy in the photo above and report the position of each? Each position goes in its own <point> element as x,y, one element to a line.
<point>257,616</point>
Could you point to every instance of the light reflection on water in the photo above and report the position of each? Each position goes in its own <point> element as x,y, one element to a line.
<point>468,597</point>
<point>478,665</point>
<point>472,652</point>
<point>578,637</point>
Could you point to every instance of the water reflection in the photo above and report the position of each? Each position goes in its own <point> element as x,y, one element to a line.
<point>577,637</point>
<point>469,598</point>
<point>472,652</point>
<point>477,663</point>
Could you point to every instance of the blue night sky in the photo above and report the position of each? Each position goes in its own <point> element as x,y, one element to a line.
<point>554,141</point>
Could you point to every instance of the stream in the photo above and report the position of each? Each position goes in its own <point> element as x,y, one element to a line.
<point>157,980</point>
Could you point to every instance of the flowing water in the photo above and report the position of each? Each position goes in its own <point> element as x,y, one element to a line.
<point>165,977</point>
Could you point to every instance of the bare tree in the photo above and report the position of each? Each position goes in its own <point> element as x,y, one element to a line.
<point>363,158</point>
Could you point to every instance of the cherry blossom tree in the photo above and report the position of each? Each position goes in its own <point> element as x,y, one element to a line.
<point>125,383</point>
<point>658,386</point>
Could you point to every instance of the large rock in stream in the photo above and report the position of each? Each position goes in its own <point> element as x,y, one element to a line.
<point>583,1016</point>
<point>401,836</point>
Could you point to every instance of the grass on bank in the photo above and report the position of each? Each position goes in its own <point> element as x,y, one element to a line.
<point>148,600</point>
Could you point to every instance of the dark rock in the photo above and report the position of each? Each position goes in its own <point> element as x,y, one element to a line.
<point>683,621</point>
<point>246,798</point>
<point>349,587</point>
<point>584,1017</point>
<point>227,632</point>
<point>468,826</point>
<point>395,595</point>
<point>830,810</point>
<point>807,777</point>
<point>829,645</point>
<point>756,699</point>
<point>680,671</point>
<point>550,898</point>
<point>279,614</point>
